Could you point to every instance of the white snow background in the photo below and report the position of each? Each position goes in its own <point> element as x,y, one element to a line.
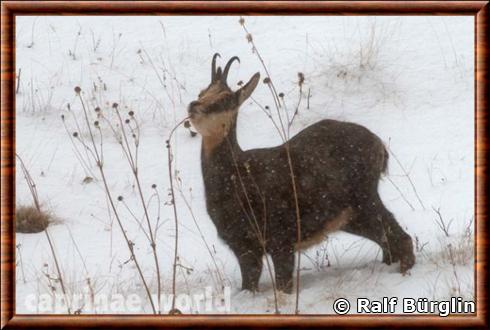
<point>407,79</point>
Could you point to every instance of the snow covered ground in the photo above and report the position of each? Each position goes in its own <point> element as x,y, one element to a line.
<point>408,79</point>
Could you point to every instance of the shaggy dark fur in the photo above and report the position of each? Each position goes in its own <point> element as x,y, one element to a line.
<point>337,167</point>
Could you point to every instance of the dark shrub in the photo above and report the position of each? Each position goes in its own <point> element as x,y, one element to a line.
<point>28,219</point>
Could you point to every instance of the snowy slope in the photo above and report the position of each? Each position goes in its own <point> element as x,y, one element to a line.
<point>408,79</point>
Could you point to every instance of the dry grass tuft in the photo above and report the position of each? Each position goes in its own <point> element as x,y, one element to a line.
<point>28,219</point>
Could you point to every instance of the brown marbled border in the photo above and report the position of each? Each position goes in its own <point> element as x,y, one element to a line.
<point>9,9</point>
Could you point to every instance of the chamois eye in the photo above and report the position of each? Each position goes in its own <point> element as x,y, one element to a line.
<point>216,107</point>
<point>224,104</point>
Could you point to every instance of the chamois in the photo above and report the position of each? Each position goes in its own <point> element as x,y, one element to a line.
<point>249,194</point>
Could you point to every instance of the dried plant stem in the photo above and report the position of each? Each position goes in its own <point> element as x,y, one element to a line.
<point>176,221</point>
<point>274,93</point>
<point>255,226</point>
<point>296,110</point>
<point>308,99</point>
<point>407,175</point>
<point>269,115</point>
<point>284,135</point>
<point>298,224</point>
<point>32,187</point>
<point>441,223</point>
<point>78,154</point>
<point>99,163</point>
<point>18,82</point>
<point>401,193</point>
<point>133,163</point>
<point>188,205</point>
<point>138,222</point>
<point>160,79</point>
<point>21,263</point>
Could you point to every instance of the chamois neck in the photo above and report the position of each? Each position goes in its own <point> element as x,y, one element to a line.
<point>214,145</point>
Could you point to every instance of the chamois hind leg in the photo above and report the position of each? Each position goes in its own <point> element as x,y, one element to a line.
<point>283,260</point>
<point>373,221</point>
<point>364,226</point>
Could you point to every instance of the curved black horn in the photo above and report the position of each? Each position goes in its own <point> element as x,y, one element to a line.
<point>227,67</point>
<point>213,66</point>
<point>218,73</point>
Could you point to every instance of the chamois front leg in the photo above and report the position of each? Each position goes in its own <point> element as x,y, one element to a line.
<point>250,261</point>
<point>283,260</point>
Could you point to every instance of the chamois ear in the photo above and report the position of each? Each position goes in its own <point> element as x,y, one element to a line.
<point>245,92</point>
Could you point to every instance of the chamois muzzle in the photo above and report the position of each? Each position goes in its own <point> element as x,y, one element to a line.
<point>194,108</point>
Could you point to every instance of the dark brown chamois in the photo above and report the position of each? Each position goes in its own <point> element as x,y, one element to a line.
<point>249,195</point>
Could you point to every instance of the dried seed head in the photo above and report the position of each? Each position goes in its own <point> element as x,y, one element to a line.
<point>68,106</point>
<point>249,37</point>
<point>131,113</point>
<point>75,134</point>
<point>96,123</point>
<point>115,105</point>
<point>241,21</point>
<point>127,121</point>
<point>62,117</point>
<point>97,109</point>
<point>301,78</point>
<point>174,311</point>
<point>267,80</point>
<point>267,107</point>
<point>239,83</point>
<point>187,124</point>
<point>78,90</point>
<point>154,186</point>
<point>281,95</point>
<point>119,198</point>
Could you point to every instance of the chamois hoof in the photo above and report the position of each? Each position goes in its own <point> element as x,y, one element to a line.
<point>247,293</point>
<point>406,263</point>
<point>250,289</point>
<point>387,258</point>
<point>407,258</point>
<point>391,256</point>
<point>285,288</point>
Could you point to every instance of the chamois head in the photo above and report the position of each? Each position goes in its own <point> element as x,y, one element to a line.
<point>215,110</point>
